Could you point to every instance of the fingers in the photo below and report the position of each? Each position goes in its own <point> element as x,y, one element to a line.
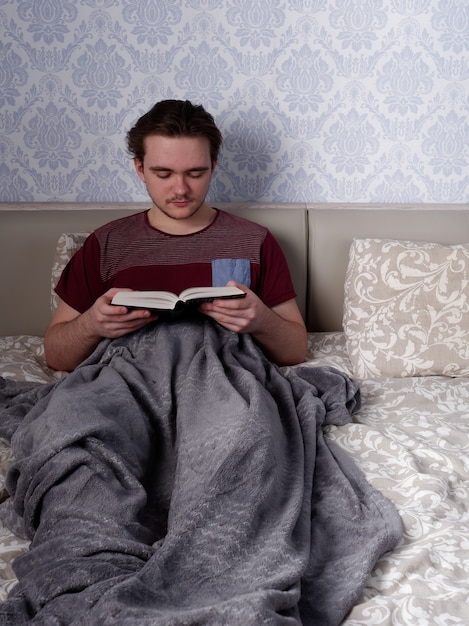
<point>237,315</point>
<point>113,321</point>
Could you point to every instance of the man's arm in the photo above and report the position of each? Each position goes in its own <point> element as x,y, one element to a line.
<point>72,336</point>
<point>282,334</point>
<point>279,331</point>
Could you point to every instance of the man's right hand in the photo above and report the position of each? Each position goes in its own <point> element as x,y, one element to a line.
<point>71,336</point>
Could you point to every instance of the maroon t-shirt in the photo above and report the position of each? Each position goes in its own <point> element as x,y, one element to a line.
<point>129,252</point>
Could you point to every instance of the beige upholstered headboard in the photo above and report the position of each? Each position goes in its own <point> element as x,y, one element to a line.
<point>314,237</point>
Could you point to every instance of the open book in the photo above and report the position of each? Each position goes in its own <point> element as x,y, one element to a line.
<point>166,300</point>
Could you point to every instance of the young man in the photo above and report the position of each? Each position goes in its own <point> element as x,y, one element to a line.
<point>179,242</point>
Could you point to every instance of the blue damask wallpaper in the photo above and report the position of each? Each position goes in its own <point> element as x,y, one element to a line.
<point>318,101</point>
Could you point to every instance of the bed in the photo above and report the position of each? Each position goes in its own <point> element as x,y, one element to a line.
<point>355,268</point>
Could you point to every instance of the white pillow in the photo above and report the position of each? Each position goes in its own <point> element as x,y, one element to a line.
<point>406,308</point>
<point>67,245</point>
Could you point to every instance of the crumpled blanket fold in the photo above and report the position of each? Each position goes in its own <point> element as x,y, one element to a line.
<point>178,477</point>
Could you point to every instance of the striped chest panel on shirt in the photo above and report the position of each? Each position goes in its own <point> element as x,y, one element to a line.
<point>137,244</point>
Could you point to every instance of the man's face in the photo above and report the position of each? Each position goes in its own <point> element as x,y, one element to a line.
<point>177,173</point>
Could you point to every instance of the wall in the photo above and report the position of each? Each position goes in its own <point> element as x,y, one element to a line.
<point>341,101</point>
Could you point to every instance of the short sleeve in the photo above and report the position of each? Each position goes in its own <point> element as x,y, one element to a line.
<point>276,285</point>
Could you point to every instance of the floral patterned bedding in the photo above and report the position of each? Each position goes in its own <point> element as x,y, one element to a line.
<point>411,438</point>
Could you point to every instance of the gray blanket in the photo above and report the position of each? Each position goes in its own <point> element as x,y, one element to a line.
<point>177,477</point>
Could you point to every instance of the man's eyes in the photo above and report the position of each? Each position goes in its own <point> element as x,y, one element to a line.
<point>166,175</point>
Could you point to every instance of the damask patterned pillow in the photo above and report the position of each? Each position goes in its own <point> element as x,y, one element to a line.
<point>406,308</point>
<point>67,245</point>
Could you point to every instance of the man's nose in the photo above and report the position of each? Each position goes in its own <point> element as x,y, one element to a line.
<point>181,185</point>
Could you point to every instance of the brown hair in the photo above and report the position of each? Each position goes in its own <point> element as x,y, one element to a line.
<point>174,118</point>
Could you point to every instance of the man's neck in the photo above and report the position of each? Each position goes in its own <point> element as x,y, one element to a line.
<point>184,226</point>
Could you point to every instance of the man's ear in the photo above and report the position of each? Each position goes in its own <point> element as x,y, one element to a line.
<point>214,164</point>
<point>138,164</point>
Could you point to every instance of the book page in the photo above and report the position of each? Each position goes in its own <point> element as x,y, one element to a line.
<point>146,299</point>
<point>210,292</point>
